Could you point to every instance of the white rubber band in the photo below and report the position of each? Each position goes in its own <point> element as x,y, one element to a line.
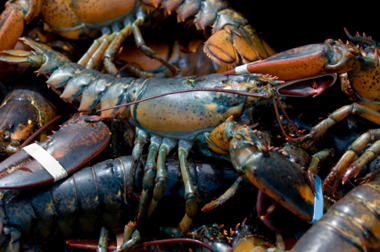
<point>52,166</point>
<point>119,240</point>
<point>242,69</point>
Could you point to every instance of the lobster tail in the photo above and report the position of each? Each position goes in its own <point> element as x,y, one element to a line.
<point>52,60</point>
<point>351,224</point>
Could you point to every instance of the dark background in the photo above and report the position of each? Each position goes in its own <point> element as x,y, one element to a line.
<point>284,26</point>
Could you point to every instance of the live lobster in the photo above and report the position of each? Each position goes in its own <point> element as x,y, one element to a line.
<point>351,224</point>
<point>205,118</point>
<point>358,66</point>
<point>94,197</point>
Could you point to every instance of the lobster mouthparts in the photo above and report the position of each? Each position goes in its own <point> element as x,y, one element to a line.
<point>79,140</point>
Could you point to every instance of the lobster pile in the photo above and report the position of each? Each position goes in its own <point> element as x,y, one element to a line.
<point>176,133</point>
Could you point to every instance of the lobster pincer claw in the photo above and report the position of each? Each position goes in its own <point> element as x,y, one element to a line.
<point>78,141</point>
<point>273,173</point>
<point>331,56</point>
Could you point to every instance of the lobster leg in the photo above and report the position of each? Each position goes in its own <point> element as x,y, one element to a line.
<point>103,240</point>
<point>355,109</point>
<point>321,128</point>
<point>313,167</point>
<point>184,147</point>
<point>107,47</point>
<point>145,49</point>
<point>160,182</point>
<point>141,140</point>
<point>227,195</point>
<point>345,169</point>
<point>130,238</point>
<point>149,175</point>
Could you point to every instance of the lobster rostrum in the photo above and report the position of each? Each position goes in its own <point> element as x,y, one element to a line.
<point>233,37</point>
<point>358,67</point>
<point>77,141</point>
<point>182,119</point>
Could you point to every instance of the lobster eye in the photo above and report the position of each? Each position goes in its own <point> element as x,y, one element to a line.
<point>258,83</point>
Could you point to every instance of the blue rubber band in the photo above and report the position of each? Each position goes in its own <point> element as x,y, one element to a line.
<point>318,201</point>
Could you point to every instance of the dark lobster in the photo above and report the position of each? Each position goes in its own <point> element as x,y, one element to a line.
<point>95,197</point>
<point>352,224</point>
<point>25,109</point>
<point>183,119</point>
<point>233,37</point>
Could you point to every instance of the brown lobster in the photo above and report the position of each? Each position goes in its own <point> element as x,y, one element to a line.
<point>359,67</point>
<point>233,37</point>
<point>203,119</point>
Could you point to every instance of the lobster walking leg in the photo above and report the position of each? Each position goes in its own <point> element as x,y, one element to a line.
<point>161,177</point>
<point>107,47</point>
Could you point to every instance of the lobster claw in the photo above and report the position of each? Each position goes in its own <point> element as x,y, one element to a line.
<point>272,172</point>
<point>331,56</point>
<point>78,141</point>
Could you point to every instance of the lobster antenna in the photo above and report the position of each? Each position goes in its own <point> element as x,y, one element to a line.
<point>287,117</point>
<point>280,124</point>
<point>256,95</point>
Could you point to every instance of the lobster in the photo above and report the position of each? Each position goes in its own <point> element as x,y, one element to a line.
<point>351,224</point>
<point>202,117</point>
<point>79,140</point>
<point>233,37</point>
<point>358,67</point>
<point>26,108</point>
<point>94,197</point>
